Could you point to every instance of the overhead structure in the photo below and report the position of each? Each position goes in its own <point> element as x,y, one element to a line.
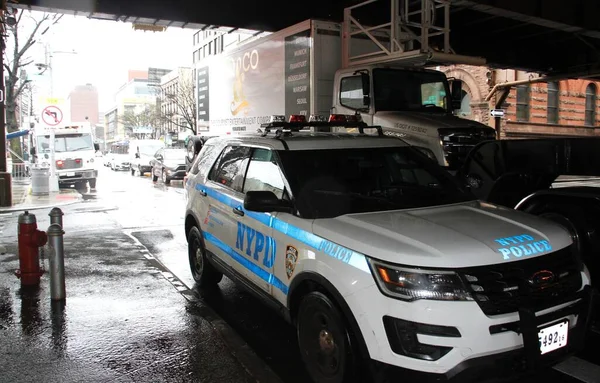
<point>552,37</point>
<point>412,35</point>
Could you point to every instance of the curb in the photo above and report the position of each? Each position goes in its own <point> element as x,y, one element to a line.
<point>24,206</point>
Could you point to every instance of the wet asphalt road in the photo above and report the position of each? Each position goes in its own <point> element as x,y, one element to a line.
<point>153,215</point>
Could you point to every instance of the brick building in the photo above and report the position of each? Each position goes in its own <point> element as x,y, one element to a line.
<point>82,104</point>
<point>561,108</point>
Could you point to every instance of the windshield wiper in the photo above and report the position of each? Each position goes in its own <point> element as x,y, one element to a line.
<point>358,195</point>
<point>82,148</point>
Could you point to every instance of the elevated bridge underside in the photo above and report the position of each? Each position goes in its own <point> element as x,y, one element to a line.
<point>554,37</point>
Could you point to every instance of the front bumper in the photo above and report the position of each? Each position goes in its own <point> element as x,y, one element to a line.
<point>484,341</point>
<point>75,176</point>
<point>176,175</point>
<point>521,361</point>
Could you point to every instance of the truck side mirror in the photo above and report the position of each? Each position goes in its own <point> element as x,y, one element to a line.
<point>456,94</point>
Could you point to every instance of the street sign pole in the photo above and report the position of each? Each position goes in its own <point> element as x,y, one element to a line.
<point>53,179</point>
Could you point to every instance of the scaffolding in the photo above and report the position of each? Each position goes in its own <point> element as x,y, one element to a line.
<point>414,35</point>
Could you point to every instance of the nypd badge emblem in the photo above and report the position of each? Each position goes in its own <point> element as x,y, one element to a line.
<point>291,257</point>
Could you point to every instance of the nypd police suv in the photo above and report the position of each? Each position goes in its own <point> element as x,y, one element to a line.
<point>380,258</point>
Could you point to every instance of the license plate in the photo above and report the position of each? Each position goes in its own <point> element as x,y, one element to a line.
<point>553,337</point>
<point>70,174</point>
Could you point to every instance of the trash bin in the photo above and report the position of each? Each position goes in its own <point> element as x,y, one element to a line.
<point>40,181</point>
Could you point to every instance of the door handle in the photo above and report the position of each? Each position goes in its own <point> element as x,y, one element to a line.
<point>202,192</point>
<point>239,211</point>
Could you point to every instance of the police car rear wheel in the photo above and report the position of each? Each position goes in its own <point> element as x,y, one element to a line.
<point>203,272</point>
<point>324,340</point>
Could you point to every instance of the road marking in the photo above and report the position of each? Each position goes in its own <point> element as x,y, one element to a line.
<point>580,369</point>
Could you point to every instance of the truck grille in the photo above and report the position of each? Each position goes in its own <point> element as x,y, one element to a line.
<point>501,289</point>
<point>457,143</point>
<point>72,163</point>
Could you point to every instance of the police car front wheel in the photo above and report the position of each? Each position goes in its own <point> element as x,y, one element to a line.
<point>203,272</point>
<point>325,343</point>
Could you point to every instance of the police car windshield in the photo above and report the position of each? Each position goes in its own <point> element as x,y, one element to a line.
<point>330,183</point>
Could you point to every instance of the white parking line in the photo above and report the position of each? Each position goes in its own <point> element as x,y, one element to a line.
<point>580,369</point>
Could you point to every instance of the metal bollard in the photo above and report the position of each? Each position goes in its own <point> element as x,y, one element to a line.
<point>56,216</point>
<point>57,262</point>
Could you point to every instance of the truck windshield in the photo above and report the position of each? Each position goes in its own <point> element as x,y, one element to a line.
<point>403,90</point>
<point>330,183</point>
<point>66,143</point>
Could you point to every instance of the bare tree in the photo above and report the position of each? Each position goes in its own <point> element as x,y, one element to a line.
<point>148,117</point>
<point>182,98</point>
<point>22,33</point>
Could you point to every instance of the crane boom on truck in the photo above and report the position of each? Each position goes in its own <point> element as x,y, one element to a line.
<point>299,70</point>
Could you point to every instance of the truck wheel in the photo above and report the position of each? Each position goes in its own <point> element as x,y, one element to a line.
<point>203,272</point>
<point>92,183</point>
<point>165,178</point>
<point>325,342</point>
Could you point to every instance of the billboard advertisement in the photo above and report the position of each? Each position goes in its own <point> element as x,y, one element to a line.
<point>247,86</point>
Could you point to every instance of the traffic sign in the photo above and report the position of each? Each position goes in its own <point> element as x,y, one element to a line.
<point>52,115</point>
<point>497,112</point>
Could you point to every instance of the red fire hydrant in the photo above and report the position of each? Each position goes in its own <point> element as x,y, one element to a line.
<point>30,240</point>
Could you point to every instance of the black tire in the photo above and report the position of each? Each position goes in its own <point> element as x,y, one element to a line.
<point>326,345</point>
<point>154,176</point>
<point>165,178</point>
<point>92,183</point>
<point>203,272</point>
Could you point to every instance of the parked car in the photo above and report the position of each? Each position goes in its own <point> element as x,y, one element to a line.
<point>168,164</point>
<point>141,153</point>
<point>119,161</point>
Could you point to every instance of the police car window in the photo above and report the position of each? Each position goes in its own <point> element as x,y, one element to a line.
<point>263,173</point>
<point>205,157</point>
<point>334,182</point>
<point>229,170</point>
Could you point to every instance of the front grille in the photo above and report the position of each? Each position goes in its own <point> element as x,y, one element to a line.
<point>500,289</point>
<point>72,164</point>
<point>457,143</point>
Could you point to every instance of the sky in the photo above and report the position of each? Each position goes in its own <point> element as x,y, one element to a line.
<point>104,51</point>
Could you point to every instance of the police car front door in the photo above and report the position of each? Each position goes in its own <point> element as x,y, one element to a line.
<point>254,231</point>
<point>225,182</point>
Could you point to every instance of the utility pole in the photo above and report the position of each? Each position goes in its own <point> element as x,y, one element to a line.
<point>5,177</point>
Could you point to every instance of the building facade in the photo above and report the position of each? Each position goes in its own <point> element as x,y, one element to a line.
<point>82,104</point>
<point>560,108</point>
<point>177,104</point>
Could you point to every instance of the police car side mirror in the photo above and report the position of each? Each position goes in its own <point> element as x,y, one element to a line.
<point>265,202</point>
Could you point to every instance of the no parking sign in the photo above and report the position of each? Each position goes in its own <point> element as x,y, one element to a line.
<point>52,115</point>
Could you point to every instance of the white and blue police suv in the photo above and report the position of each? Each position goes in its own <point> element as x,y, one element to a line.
<point>380,259</point>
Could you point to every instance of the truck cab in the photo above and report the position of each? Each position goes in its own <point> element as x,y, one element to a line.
<point>413,104</point>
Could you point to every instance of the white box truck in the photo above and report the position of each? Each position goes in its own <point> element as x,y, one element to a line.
<point>75,159</point>
<point>299,70</point>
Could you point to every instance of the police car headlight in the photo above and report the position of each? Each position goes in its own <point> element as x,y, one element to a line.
<point>412,284</point>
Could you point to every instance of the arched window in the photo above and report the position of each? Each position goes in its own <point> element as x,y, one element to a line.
<point>523,100</point>
<point>465,105</point>
<point>552,109</point>
<point>590,105</point>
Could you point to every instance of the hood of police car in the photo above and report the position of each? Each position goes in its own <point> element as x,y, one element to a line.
<point>451,236</point>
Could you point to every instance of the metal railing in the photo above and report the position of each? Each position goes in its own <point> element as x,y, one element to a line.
<point>20,170</point>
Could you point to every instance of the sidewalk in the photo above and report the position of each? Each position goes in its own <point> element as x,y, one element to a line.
<point>23,199</point>
<point>123,320</point>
